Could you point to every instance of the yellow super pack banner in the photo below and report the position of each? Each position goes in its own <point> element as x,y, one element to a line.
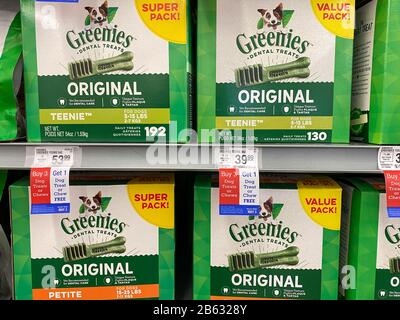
<point>167,19</point>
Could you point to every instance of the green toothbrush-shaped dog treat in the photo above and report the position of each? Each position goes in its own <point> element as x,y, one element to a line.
<point>83,251</point>
<point>87,67</point>
<point>257,74</point>
<point>249,260</point>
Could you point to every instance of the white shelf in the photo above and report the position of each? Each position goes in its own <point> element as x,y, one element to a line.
<point>354,158</point>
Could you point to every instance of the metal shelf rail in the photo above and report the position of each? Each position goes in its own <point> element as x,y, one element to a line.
<point>353,158</point>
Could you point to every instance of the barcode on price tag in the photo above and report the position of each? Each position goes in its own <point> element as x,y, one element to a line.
<point>389,158</point>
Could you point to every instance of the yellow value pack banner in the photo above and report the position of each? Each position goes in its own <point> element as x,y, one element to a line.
<point>321,199</point>
<point>337,16</point>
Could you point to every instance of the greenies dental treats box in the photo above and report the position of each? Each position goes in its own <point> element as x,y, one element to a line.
<point>117,242</point>
<point>376,81</point>
<point>370,242</point>
<point>289,251</point>
<point>107,70</point>
<point>282,69</point>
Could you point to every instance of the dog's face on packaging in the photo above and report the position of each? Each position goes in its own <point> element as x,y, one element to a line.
<point>266,212</point>
<point>272,18</point>
<point>92,204</point>
<point>98,15</point>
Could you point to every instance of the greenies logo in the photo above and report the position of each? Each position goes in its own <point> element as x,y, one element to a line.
<point>392,234</point>
<point>99,28</point>
<point>92,214</point>
<point>266,225</point>
<point>272,32</point>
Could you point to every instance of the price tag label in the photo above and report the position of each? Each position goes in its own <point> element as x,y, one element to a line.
<point>240,157</point>
<point>54,157</point>
<point>389,163</point>
<point>389,158</point>
<point>238,181</point>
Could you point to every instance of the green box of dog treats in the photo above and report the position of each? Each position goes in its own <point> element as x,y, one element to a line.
<point>370,241</point>
<point>376,81</point>
<point>289,251</point>
<point>282,69</point>
<point>116,242</point>
<point>107,71</point>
